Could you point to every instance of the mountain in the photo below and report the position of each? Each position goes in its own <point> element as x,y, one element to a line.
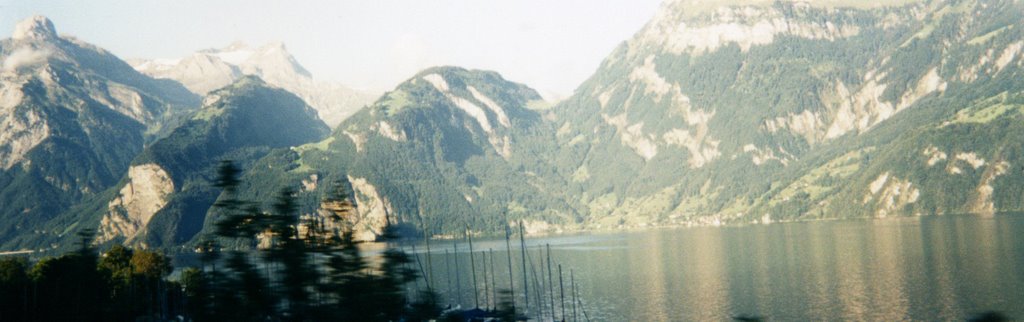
<point>739,112</point>
<point>441,152</point>
<point>726,113</point>
<point>72,116</point>
<point>211,69</point>
<point>731,112</point>
<point>166,193</point>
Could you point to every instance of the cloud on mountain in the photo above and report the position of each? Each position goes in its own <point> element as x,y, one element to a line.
<point>24,57</point>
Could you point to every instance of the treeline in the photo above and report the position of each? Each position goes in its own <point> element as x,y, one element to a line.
<point>119,285</point>
<point>259,265</point>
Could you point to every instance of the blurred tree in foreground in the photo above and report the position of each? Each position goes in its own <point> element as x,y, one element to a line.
<point>283,267</point>
<point>300,268</point>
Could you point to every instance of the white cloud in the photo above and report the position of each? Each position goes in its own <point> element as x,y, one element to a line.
<point>25,57</point>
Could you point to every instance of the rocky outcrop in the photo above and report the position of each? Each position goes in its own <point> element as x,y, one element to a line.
<point>36,28</point>
<point>138,201</point>
<point>20,132</point>
<point>372,210</point>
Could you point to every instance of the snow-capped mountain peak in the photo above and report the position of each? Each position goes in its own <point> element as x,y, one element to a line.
<point>210,69</point>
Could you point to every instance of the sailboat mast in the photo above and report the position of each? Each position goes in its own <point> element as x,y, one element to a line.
<point>583,309</point>
<point>511,277</point>
<point>472,265</point>
<point>551,282</point>
<point>494,283</point>
<point>561,290</point>
<point>448,271</point>
<point>486,292</point>
<point>416,255</point>
<point>536,288</point>
<point>458,278</point>
<point>526,281</point>
<point>430,267</point>
<point>572,280</point>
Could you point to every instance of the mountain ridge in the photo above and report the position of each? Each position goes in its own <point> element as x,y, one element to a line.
<point>434,154</point>
<point>783,113</point>
<point>790,112</point>
<point>760,94</point>
<point>210,69</point>
<point>167,193</point>
<point>738,114</point>
<point>72,116</point>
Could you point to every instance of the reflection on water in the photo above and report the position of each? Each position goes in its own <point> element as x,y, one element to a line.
<point>926,268</point>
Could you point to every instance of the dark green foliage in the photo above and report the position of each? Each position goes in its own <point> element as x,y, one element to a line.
<point>291,253</point>
<point>253,292</point>
<point>196,287</point>
<point>347,281</point>
<point>120,285</point>
<point>134,282</point>
<point>316,275</point>
<point>227,177</point>
<point>71,283</point>
<point>15,287</point>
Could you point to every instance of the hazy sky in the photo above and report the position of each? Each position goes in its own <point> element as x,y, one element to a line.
<point>548,44</point>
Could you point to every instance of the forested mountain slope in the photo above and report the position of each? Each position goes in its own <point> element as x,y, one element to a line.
<point>780,110</point>
<point>165,196</point>
<point>72,116</point>
<point>736,112</point>
<point>444,150</point>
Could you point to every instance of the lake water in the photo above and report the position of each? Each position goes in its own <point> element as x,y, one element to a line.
<point>927,268</point>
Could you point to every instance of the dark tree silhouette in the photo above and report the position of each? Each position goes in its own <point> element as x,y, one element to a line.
<point>281,267</point>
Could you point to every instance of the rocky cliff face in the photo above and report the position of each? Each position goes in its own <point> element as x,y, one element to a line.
<point>136,203</point>
<point>372,210</point>
<point>71,118</point>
